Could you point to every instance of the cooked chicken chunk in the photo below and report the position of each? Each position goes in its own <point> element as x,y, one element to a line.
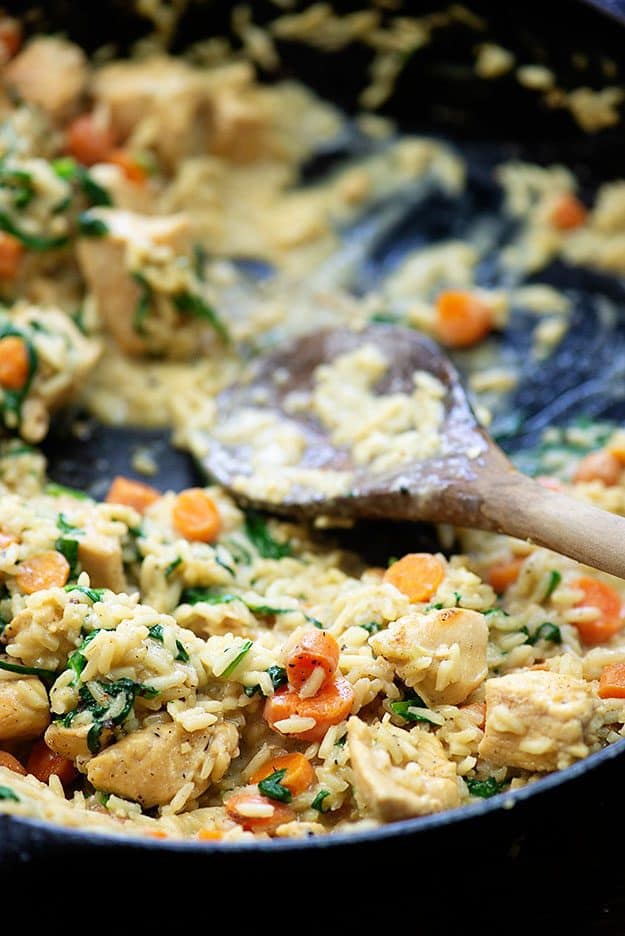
<point>69,742</point>
<point>46,630</point>
<point>442,655</point>
<point>152,764</point>
<point>536,720</point>
<point>101,557</point>
<point>50,72</point>
<point>424,785</point>
<point>108,264</point>
<point>24,709</point>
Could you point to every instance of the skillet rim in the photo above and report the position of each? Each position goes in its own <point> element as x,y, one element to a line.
<point>402,829</point>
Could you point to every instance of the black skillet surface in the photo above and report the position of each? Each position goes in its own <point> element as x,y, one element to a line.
<point>552,845</point>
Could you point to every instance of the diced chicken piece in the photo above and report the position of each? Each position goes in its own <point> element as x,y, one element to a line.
<point>180,111</point>
<point>69,742</point>
<point>163,99</point>
<point>105,266</point>
<point>24,711</point>
<point>152,764</point>
<point>442,655</point>
<point>536,720</point>
<point>50,72</point>
<point>101,557</point>
<point>46,630</point>
<point>424,785</point>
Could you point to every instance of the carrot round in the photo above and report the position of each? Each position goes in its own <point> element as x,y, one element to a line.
<point>11,251</point>
<point>329,707</point>
<point>237,806</point>
<point>417,575</point>
<point>607,600</point>
<point>14,363</point>
<point>568,213</point>
<point>612,682</point>
<point>599,466</point>
<point>10,38</point>
<point>195,516</point>
<point>299,773</point>
<point>11,763</point>
<point>504,574</point>
<point>462,319</point>
<point>45,570</point>
<point>129,165</point>
<point>131,493</point>
<point>312,649</point>
<point>89,139</point>
<point>43,762</point>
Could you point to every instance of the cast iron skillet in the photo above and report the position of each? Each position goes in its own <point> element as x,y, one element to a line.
<point>538,836</point>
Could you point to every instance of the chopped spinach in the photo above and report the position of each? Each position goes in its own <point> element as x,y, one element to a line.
<point>385,318</point>
<point>245,649</point>
<point>317,803</point>
<point>546,631</point>
<point>209,596</point>
<point>554,580</point>
<point>58,490</point>
<point>182,654</point>
<point>484,788</point>
<point>127,688</point>
<point>272,787</point>
<point>495,611</point>
<point>200,259</point>
<point>190,304</point>
<point>278,677</point>
<point>6,793</point>
<point>91,226</point>
<point>94,594</point>
<point>156,632</point>
<point>45,675</point>
<point>144,303</point>
<point>68,545</point>
<point>406,709</point>
<point>372,627</point>
<point>77,660</point>
<point>238,552</point>
<point>37,242</point>
<point>258,533</point>
<point>173,565</point>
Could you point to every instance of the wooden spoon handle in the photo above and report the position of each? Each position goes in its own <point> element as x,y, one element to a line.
<point>520,507</point>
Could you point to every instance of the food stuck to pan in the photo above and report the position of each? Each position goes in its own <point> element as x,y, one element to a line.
<point>174,664</point>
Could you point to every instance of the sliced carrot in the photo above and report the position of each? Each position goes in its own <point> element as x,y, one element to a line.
<point>237,806</point>
<point>329,707</point>
<point>195,516</point>
<point>43,762</point>
<point>131,493</point>
<point>157,834</point>
<point>11,763</point>
<point>10,37</point>
<point>129,165</point>
<point>462,319</point>
<point>14,363</point>
<point>478,709</point>
<point>210,835</point>
<point>504,574</point>
<point>599,595</point>
<point>616,447</point>
<point>417,575</point>
<point>89,139</point>
<point>11,251</point>
<point>612,681</point>
<point>299,773</point>
<point>568,213</point>
<point>45,570</point>
<point>311,649</point>
<point>599,466</point>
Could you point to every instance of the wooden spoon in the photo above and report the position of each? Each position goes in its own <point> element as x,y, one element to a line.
<point>470,483</point>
